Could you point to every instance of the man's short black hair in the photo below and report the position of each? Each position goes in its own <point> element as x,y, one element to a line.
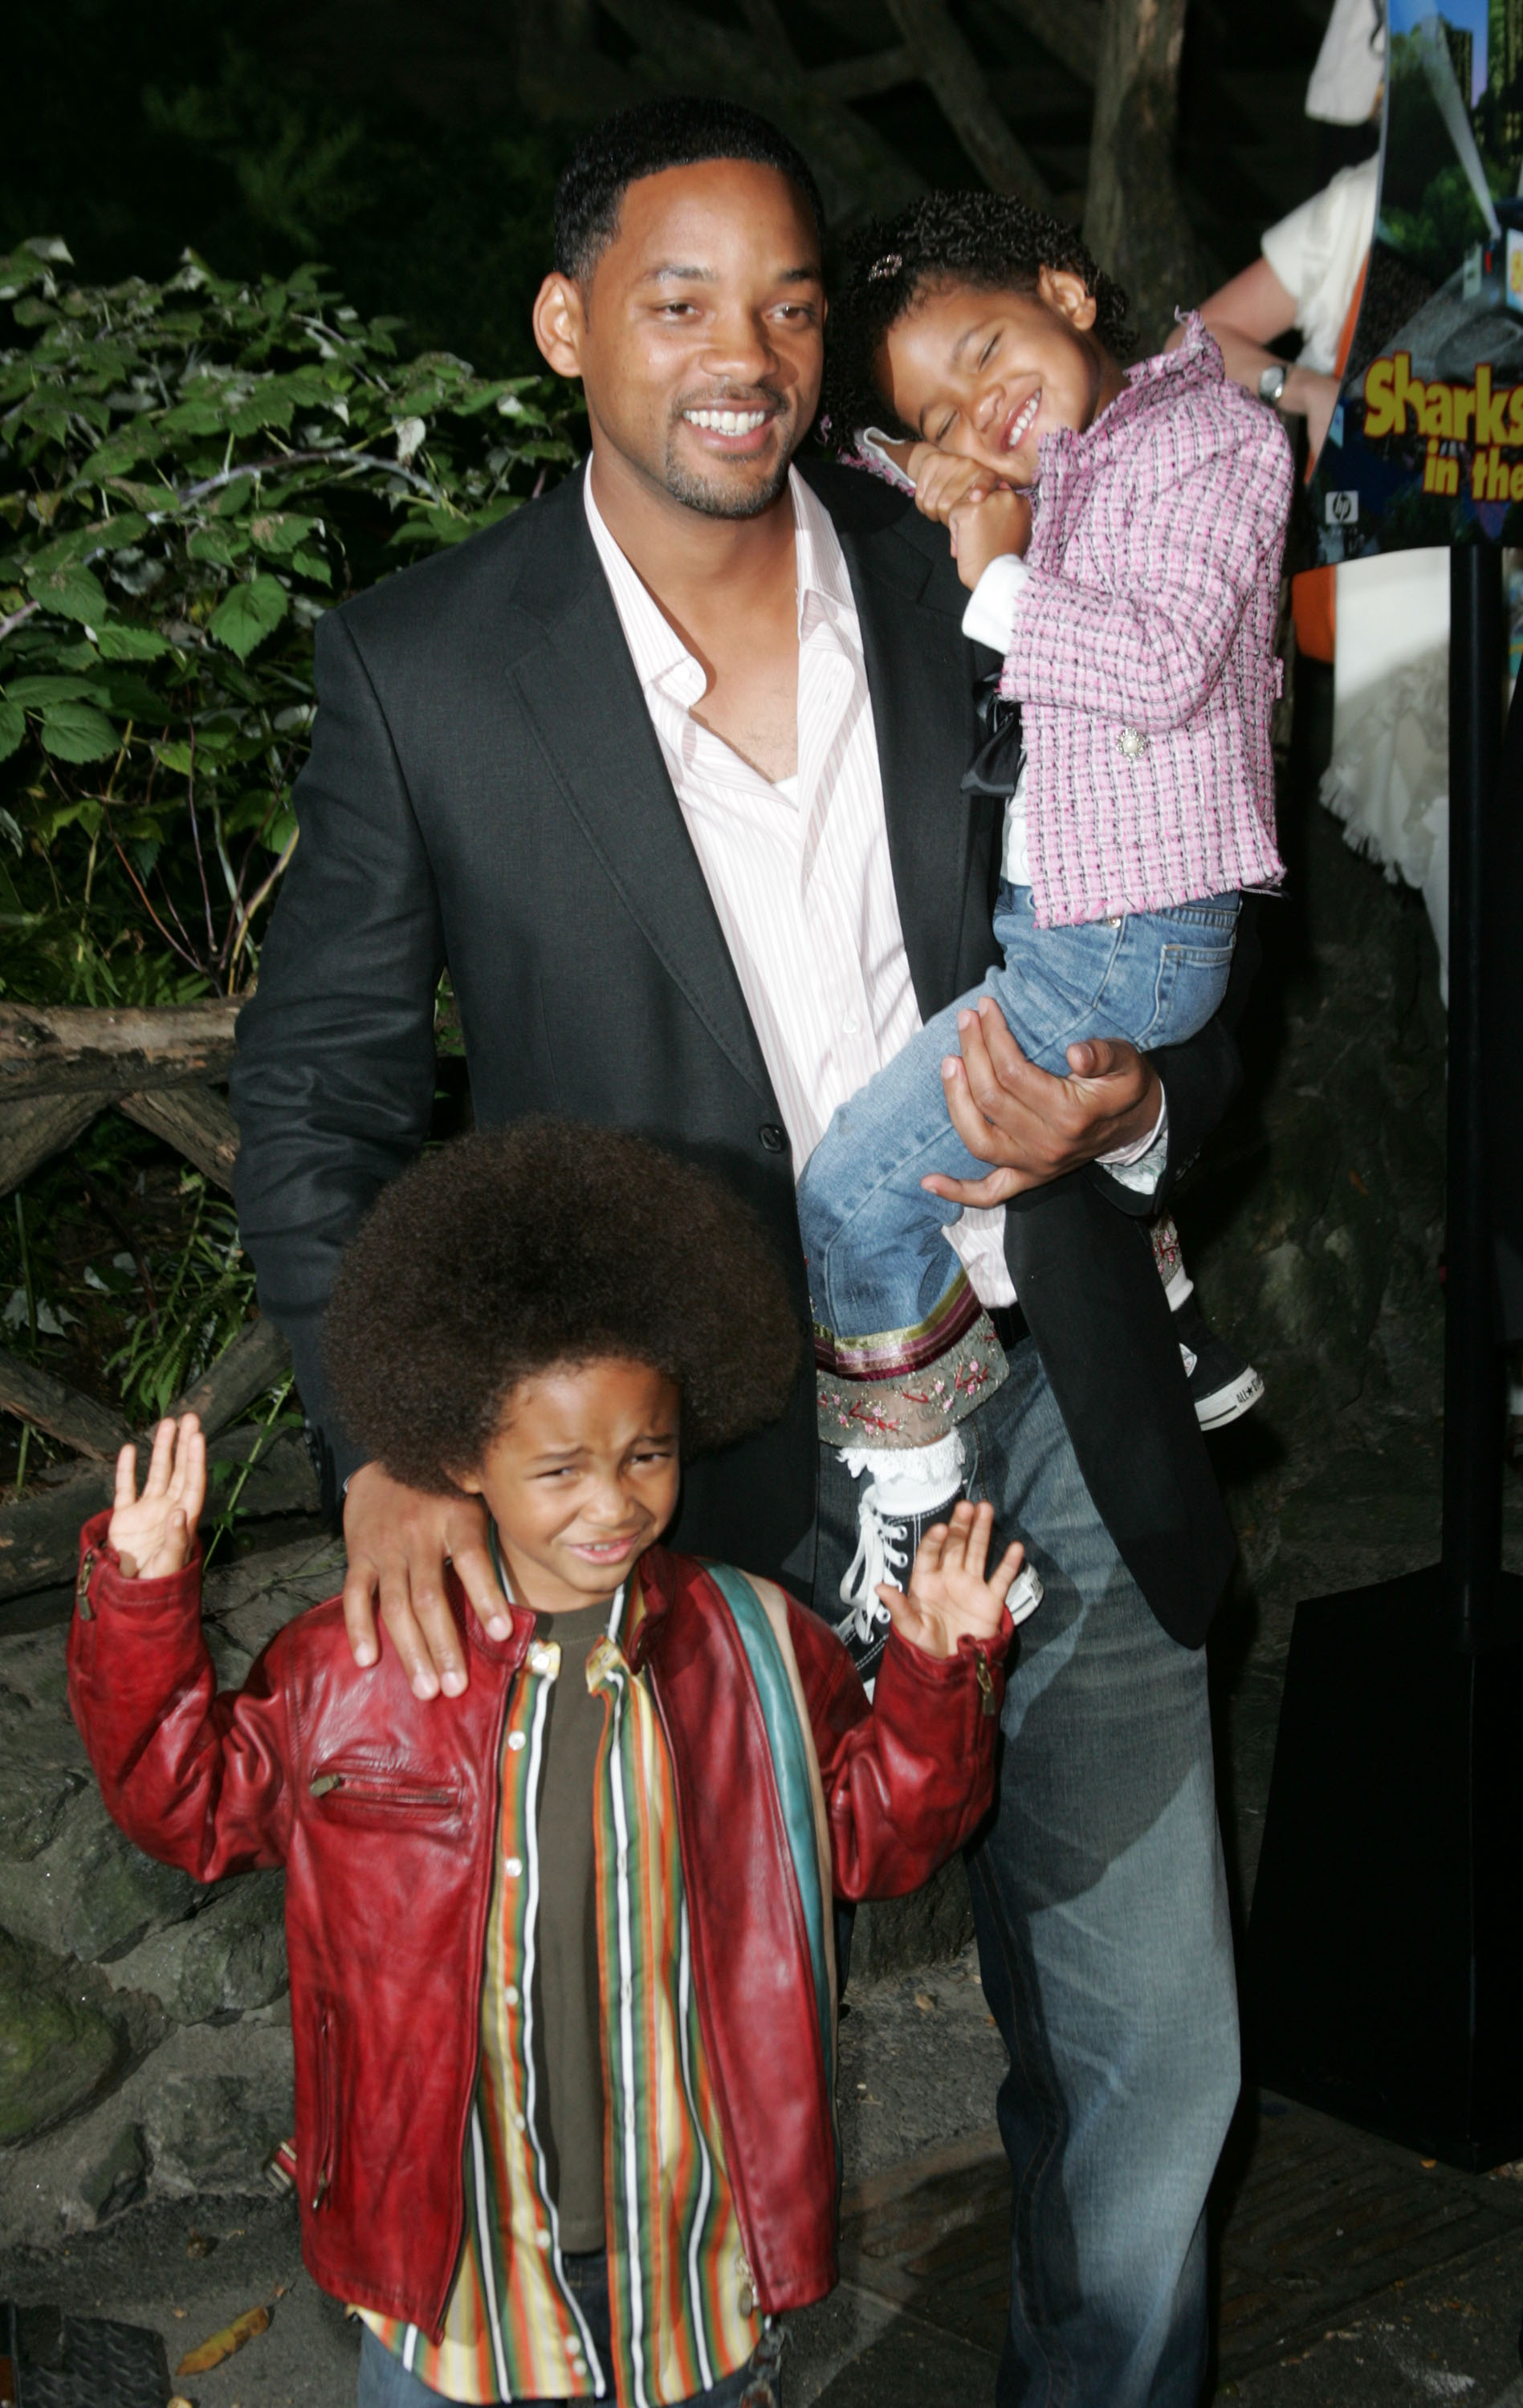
<point>644,141</point>
<point>550,1242</point>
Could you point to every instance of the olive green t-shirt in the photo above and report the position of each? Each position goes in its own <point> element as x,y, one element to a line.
<point>568,1985</point>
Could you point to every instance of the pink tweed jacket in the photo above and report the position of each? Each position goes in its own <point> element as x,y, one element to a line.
<point>1144,648</point>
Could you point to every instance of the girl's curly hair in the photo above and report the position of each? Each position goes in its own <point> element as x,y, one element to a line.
<point>551,1242</point>
<point>985,239</point>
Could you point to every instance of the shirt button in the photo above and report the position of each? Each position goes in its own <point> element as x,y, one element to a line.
<point>513,1866</point>
<point>516,1740</point>
<point>542,2239</point>
<point>850,1025</point>
<point>521,2123</point>
<point>539,1659</point>
<point>772,1137</point>
<point>511,1994</point>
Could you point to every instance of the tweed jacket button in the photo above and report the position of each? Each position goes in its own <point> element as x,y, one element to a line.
<point>1132,743</point>
<point>772,1137</point>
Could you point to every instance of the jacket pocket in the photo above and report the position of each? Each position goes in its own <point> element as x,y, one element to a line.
<point>347,1791</point>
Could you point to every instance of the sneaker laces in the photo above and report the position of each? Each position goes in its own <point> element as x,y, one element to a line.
<point>878,1562</point>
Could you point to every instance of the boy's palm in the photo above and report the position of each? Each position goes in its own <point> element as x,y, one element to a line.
<point>949,1598</point>
<point>154,1534</point>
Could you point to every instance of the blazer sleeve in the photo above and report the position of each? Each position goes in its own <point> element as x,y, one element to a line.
<point>333,1085</point>
<point>908,1777</point>
<point>197,1779</point>
<point>1198,541</point>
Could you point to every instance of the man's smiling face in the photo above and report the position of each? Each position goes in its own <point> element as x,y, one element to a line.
<point>699,335</point>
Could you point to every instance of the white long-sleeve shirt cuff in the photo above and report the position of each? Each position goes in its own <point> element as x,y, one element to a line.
<point>870,442</point>
<point>1140,1165</point>
<point>990,616</point>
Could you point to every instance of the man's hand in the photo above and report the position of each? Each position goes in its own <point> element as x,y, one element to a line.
<point>949,1598</point>
<point>983,529</point>
<point>398,1540</point>
<point>1033,1126</point>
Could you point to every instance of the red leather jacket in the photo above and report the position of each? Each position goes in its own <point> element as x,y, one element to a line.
<point>388,1876</point>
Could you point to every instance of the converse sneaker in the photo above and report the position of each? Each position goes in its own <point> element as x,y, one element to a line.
<point>887,1540</point>
<point>1223,1387</point>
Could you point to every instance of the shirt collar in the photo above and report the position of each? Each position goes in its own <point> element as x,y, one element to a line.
<point>825,588</point>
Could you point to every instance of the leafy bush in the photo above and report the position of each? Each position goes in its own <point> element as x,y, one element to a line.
<point>190,474</point>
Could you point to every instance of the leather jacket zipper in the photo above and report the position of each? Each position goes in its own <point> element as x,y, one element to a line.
<point>323,2181</point>
<point>986,1684</point>
<point>377,1789</point>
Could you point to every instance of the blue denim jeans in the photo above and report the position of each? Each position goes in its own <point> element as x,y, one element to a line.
<point>386,2382</point>
<point>1103,1939</point>
<point>877,1262</point>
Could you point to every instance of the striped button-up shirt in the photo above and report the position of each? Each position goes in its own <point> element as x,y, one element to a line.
<point>683,2308</point>
<point>798,870</point>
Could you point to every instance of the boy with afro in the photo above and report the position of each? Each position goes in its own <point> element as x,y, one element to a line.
<point>562,1986</point>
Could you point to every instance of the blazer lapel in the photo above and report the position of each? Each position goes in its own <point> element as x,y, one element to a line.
<point>576,684</point>
<point>918,676</point>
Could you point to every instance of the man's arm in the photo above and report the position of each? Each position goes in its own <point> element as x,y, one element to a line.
<point>332,1089</point>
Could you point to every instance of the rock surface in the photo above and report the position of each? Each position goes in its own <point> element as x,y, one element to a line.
<point>145,2045</point>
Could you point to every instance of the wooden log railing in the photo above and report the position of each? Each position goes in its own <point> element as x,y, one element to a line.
<point>59,1069</point>
<point>61,1066</point>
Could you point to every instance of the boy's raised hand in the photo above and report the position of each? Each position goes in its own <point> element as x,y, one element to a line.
<point>154,1534</point>
<point>949,1598</point>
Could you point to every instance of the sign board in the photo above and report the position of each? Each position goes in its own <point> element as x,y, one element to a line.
<point>1426,445</point>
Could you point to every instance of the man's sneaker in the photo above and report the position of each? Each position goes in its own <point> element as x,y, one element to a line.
<point>1223,1387</point>
<point>887,1541</point>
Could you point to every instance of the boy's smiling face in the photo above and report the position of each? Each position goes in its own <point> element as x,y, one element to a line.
<point>581,1477</point>
<point>988,374</point>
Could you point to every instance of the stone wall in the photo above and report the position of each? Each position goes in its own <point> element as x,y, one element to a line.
<point>145,2045</point>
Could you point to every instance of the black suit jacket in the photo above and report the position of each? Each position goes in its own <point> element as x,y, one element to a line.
<point>485,789</point>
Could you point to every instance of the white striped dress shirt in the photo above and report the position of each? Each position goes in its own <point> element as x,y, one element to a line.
<point>798,870</point>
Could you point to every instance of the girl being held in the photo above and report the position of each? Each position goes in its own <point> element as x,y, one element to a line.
<point>1120,533</point>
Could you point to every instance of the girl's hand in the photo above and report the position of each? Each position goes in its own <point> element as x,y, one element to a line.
<point>949,1598</point>
<point>944,481</point>
<point>154,1534</point>
<point>982,531</point>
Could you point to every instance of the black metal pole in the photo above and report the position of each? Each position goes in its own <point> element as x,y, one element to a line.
<point>1473,1364</point>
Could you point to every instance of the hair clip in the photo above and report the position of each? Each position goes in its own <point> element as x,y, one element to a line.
<point>890,263</point>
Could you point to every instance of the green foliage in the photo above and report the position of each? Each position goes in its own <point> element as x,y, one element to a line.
<point>190,474</point>
<point>208,1298</point>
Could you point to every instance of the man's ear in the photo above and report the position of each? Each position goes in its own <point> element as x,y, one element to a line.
<point>559,322</point>
<point>1070,294</point>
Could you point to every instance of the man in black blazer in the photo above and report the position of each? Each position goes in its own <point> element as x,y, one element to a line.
<point>486,790</point>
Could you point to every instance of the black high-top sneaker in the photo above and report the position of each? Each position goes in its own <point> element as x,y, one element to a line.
<point>887,1540</point>
<point>1223,1387</point>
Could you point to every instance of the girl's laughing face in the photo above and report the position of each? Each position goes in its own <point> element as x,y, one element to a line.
<point>987,374</point>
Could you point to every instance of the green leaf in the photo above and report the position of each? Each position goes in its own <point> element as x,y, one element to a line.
<point>37,692</point>
<point>72,731</point>
<point>118,642</point>
<point>72,592</point>
<point>244,617</point>
<point>311,564</point>
<point>279,532</point>
<point>12,729</point>
<point>220,543</point>
<point>177,757</point>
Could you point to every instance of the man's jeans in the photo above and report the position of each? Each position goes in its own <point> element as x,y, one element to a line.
<point>878,1261</point>
<point>1103,1939</point>
<point>385,2383</point>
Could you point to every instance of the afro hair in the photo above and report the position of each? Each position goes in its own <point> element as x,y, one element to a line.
<point>983,239</point>
<point>548,1242</point>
